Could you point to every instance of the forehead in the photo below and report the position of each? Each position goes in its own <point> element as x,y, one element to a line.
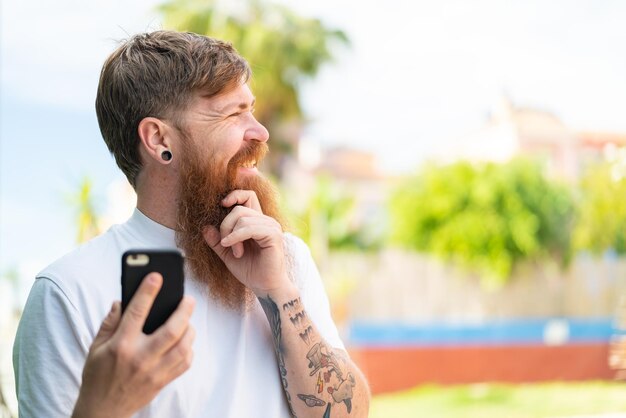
<point>234,97</point>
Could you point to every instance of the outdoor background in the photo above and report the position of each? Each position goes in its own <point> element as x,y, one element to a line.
<point>458,169</point>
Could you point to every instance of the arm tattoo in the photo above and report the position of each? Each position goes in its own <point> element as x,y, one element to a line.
<point>334,380</point>
<point>299,319</point>
<point>311,400</point>
<point>325,362</point>
<point>273,315</point>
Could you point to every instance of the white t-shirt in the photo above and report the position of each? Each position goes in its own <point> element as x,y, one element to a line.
<point>234,371</point>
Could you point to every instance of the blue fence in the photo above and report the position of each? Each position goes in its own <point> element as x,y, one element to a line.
<point>511,332</point>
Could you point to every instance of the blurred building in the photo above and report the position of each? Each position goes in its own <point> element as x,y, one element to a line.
<point>512,130</point>
<point>594,146</point>
<point>355,171</point>
<point>349,164</point>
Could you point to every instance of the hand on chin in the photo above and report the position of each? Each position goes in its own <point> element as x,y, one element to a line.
<point>250,244</point>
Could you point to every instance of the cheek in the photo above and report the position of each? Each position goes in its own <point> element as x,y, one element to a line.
<point>221,143</point>
<point>229,144</point>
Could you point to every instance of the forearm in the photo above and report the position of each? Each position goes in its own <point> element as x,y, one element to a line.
<point>319,380</point>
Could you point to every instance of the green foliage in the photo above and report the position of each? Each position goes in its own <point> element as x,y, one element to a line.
<point>601,223</point>
<point>486,217</point>
<point>87,217</point>
<point>282,48</point>
<point>11,275</point>
<point>327,221</point>
<point>537,400</point>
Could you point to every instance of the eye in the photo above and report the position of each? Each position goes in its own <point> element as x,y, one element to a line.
<point>235,114</point>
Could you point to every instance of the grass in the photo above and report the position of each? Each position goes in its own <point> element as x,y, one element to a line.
<point>539,400</point>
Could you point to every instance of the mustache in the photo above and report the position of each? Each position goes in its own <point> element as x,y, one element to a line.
<point>255,151</point>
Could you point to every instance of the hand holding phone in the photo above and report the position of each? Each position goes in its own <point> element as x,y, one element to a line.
<point>125,368</point>
<point>137,264</point>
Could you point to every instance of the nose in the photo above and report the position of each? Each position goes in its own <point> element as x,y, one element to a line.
<point>257,132</point>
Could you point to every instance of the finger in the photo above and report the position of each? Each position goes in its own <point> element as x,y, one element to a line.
<point>181,351</point>
<point>238,247</point>
<point>230,222</point>
<point>238,212</point>
<point>250,223</point>
<point>109,325</point>
<point>212,238</point>
<point>247,198</point>
<point>170,333</point>
<point>264,235</point>
<point>178,359</point>
<point>242,217</point>
<point>180,368</point>
<point>137,310</point>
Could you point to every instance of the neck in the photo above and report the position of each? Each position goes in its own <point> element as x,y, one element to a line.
<point>157,200</point>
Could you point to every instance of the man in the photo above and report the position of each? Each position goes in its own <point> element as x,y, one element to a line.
<point>176,112</point>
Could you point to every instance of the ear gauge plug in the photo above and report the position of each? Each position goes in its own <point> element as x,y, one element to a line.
<point>166,155</point>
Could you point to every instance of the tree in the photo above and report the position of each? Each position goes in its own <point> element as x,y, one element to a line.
<point>487,217</point>
<point>282,48</point>
<point>327,220</point>
<point>85,209</point>
<point>5,412</point>
<point>11,275</point>
<point>601,220</point>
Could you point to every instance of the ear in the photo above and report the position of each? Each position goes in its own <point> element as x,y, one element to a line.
<point>155,138</point>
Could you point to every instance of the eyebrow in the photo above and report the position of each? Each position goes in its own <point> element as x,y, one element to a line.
<point>241,105</point>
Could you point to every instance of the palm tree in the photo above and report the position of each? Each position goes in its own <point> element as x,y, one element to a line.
<point>11,275</point>
<point>282,48</point>
<point>85,209</point>
<point>5,412</point>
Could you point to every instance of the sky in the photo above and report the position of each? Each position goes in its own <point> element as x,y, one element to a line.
<point>417,77</point>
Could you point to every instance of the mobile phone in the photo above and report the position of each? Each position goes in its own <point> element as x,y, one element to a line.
<point>136,265</point>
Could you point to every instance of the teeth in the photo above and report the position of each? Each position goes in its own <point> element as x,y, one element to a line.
<point>250,164</point>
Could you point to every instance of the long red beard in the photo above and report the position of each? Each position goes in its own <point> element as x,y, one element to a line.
<point>202,187</point>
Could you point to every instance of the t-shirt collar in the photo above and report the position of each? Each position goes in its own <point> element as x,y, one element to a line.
<point>152,233</point>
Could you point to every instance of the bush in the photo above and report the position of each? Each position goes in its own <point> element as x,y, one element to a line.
<point>487,217</point>
<point>601,220</point>
<point>328,221</point>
